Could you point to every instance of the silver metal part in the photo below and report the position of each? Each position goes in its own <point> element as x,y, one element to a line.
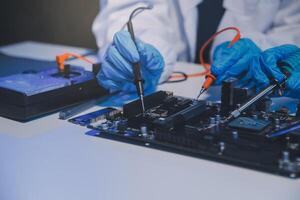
<point>212,120</point>
<point>257,97</point>
<point>235,134</point>
<point>285,156</point>
<point>285,163</point>
<point>222,147</point>
<point>201,92</point>
<point>218,119</point>
<point>144,130</point>
<point>142,102</point>
<point>255,116</point>
<point>238,111</point>
<point>277,124</point>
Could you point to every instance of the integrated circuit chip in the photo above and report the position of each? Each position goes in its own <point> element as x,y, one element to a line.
<point>248,123</point>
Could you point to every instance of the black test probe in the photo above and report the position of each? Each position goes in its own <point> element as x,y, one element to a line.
<point>138,80</point>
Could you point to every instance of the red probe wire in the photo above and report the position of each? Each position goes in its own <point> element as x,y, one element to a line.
<point>60,59</point>
<point>209,77</point>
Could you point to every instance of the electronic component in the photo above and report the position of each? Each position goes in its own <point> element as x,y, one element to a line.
<point>182,116</point>
<point>242,94</point>
<point>191,127</point>
<point>93,117</point>
<point>132,109</point>
<point>227,94</point>
<point>248,123</point>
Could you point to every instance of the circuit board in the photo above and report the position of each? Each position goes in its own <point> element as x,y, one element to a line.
<point>195,128</point>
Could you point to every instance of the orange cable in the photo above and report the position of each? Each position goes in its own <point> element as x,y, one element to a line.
<point>207,65</point>
<point>60,59</point>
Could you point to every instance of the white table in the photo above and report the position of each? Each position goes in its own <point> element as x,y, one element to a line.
<point>51,159</point>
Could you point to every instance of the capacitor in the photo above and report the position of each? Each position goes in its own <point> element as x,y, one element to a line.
<point>105,126</point>
<point>235,134</point>
<point>209,103</point>
<point>277,123</point>
<point>161,119</point>
<point>255,116</point>
<point>222,147</point>
<point>212,120</point>
<point>266,117</point>
<point>218,119</point>
<point>285,156</point>
<point>144,130</point>
<point>298,160</point>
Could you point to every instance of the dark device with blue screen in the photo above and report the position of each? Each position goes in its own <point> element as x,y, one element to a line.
<point>31,88</point>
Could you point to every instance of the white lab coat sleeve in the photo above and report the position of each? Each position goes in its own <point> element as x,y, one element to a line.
<point>151,26</point>
<point>267,22</point>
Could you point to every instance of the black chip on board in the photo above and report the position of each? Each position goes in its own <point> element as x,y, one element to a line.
<point>249,124</point>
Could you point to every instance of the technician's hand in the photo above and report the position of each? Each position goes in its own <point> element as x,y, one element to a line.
<point>116,73</point>
<point>264,69</point>
<point>234,61</point>
<point>293,86</point>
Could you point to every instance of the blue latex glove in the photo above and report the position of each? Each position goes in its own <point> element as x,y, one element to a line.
<point>116,73</point>
<point>234,61</point>
<point>264,69</point>
<point>293,86</point>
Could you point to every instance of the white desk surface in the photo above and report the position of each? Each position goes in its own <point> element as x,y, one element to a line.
<point>51,159</point>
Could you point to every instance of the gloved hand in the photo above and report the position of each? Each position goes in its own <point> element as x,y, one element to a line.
<point>264,69</point>
<point>293,86</point>
<point>233,61</point>
<point>116,73</point>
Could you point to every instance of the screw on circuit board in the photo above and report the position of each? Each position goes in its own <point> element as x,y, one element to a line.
<point>144,131</point>
<point>292,175</point>
<point>285,156</point>
<point>235,134</point>
<point>277,123</point>
<point>221,147</point>
<point>255,116</point>
<point>212,120</point>
<point>218,119</point>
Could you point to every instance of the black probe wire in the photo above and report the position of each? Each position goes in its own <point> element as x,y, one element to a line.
<point>136,12</point>
<point>133,14</point>
<point>185,77</point>
<point>138,79</point>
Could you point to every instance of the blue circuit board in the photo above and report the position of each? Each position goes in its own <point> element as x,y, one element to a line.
<point>92,117</point>
<point>197,128</point>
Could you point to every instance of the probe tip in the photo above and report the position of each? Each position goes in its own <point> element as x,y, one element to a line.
<point>143,104</point>
<point>227,119</point>
<point>201,92</point>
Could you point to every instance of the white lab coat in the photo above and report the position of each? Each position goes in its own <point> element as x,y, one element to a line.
<point>171,26</point>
